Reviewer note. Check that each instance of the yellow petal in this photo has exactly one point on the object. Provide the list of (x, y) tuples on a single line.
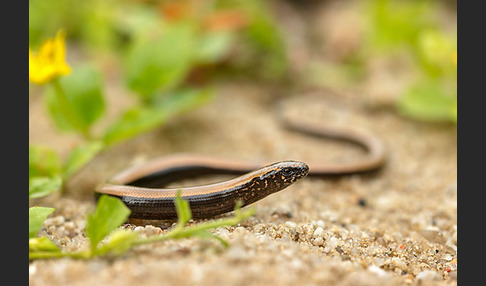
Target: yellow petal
[(60, 47), (49, 62)]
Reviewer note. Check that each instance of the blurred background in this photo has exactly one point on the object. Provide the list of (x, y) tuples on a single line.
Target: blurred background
[(137, 63)]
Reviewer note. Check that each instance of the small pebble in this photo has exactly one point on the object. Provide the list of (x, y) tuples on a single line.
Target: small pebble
[(56, 221), (69, 225), (152, 230), (318, 232), (377, 270), (319, 241), (427, 275), (290, 224), (320, 223), (223, 233), (446, 256), (239, 230)]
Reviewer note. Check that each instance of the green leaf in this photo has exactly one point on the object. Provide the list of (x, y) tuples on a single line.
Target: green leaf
[(430, 102), (207, 235), (97, 29), (390, 22), (119, 242), (264, 32), (80, 155), (183, 209), (157, 65), (214, 46), (43, 186), (110, 213), (265, 38), (138, 20), (43, 162), (37, 215), (42, 244), (134, 121), (46, 18), (77, 102), (142, 119), (436, 50), (183, 100)]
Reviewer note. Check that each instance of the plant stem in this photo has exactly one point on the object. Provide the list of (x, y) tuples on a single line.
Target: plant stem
[(178, 232), (58, 254), (189, 231)]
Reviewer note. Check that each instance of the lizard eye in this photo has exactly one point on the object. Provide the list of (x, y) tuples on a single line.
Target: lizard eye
[(287, 172)]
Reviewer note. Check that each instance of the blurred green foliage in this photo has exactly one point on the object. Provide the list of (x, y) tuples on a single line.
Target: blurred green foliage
[(43, 162), (44, 171), (88, 21), (110, 213), (82, 103), (167, 49), (168, 52), (398, 23), (216, 28), (47, 170), (161, 62), (80, 155), (140, 119), (37, 215), (417, 27)]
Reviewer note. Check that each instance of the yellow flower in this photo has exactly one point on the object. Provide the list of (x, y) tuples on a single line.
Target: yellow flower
[(49, 62)]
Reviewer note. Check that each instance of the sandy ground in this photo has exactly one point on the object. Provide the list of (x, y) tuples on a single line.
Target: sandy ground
[(397, 226)]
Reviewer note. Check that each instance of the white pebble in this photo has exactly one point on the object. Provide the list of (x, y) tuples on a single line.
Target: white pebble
[(290, 224), (240, 230), (318, 232), (57, 220), (152, 230), (223, 233), (447, 257), (69, 225), (377, 270), (318, 241), (332, 243), (427, 275)]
